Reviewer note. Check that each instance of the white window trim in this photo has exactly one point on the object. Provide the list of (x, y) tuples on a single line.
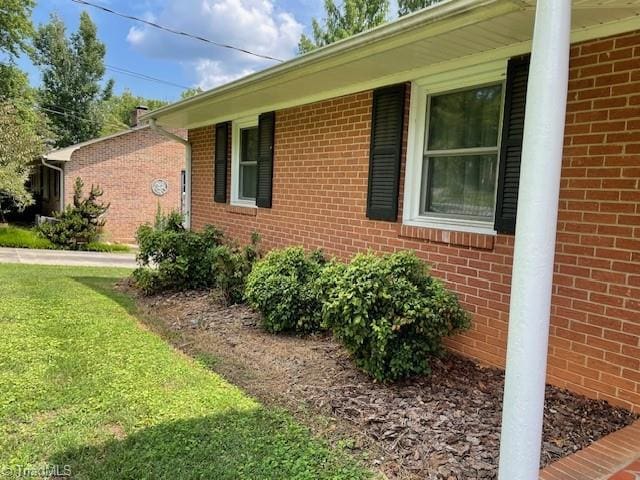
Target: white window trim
[(236, 126), (468, 77)]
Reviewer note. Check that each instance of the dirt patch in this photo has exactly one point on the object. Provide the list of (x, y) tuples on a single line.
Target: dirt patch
[(445, 426)]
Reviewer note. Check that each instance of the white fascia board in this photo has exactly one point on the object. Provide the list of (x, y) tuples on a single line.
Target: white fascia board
[(440, 18)]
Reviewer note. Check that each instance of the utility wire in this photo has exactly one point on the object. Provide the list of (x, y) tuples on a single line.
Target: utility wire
[(177, 32), (133, 74), (143, 76), (57, 110)]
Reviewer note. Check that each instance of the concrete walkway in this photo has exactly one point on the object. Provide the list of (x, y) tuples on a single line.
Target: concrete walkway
[(62, 257)]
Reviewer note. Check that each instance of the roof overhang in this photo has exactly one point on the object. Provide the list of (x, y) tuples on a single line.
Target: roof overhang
[(441, 38), (64, 154)]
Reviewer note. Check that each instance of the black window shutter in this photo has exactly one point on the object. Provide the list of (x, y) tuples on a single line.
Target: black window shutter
[(266, 132), (220, 163), (387, 118), (511, 148)]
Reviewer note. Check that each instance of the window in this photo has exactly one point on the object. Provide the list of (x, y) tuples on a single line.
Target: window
[(56, 184), (244, 168), (248, 163), (460, 162), (452, 162)]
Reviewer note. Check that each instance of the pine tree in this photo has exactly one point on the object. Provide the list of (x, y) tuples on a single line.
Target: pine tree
[(343, 21), (72, 69)]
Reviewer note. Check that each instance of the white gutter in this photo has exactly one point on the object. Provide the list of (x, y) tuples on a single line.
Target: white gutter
[(416, 21), (531, 286), (187, 167), (44, 162)]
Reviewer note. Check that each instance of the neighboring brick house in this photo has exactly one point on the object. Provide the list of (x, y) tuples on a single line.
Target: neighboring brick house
[(138, 170), (309, 172)]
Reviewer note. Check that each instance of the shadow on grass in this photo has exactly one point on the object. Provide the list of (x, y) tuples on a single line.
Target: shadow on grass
[(105, 286), (253, 444)]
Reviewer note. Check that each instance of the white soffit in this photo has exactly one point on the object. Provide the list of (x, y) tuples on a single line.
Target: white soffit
[(447, 36)]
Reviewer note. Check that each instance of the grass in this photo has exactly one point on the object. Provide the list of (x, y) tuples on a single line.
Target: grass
[(18, 237), (22, 237), (86, 388)]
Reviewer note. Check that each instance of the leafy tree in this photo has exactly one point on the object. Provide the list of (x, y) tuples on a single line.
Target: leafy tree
[(190, 92), (408, 6), (72, 69), (15, 89), (20, 144), (116, 111), (343, 21), (15, 25)]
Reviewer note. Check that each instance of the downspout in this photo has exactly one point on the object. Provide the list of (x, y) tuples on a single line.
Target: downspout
[(53, 167), (534, 251), (187, 167)]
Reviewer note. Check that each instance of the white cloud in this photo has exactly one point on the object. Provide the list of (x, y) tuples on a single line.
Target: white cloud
[(254, 25), (211, 73)]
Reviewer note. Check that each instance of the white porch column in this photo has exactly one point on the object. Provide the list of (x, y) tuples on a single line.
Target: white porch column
[(535, 243)]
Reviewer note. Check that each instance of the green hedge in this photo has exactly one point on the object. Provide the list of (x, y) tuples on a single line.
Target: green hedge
[(282, 287), (390, 313), (172, 258)]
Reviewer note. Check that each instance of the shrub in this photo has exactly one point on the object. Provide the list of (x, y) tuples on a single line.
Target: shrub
[(390, 313), (231, 266), (172, 258), (79, 224), (282, 286)]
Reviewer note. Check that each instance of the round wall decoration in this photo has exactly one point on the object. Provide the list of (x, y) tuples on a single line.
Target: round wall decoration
[(159, 187)]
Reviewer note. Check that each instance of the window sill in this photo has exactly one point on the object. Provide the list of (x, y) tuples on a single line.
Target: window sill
[(249, 210), (450, 235)]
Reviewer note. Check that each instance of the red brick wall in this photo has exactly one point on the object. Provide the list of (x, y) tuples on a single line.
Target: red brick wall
[(319, 200), (124, 167)]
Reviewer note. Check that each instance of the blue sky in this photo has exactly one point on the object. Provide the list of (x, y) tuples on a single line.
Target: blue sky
[(270, 27)]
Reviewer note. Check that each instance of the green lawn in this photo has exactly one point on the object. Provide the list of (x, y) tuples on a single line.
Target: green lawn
[(22, 237), (83, 384)]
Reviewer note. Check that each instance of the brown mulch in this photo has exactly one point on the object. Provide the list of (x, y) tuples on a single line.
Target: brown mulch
[(445, 426)]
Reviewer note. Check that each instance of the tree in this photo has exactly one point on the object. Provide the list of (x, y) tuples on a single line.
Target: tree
[(408, 6), (78, 224), (72, 69), (20, 145), (190, 92), (116, 110), (15, 89), (352, 17), (15, 26)]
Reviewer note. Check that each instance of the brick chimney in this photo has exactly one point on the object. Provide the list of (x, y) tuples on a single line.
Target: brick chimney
[(136, 113)]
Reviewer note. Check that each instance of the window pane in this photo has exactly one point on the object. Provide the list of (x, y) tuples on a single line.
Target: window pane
[(248, 181), (465, 119), (249, 148), (462, 185)]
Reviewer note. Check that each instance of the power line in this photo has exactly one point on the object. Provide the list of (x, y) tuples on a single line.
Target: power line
[(134, 74), (143, 76), (177, 32), (57, 110)]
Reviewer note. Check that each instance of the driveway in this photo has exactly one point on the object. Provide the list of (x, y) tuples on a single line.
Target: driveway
[(62, 257)]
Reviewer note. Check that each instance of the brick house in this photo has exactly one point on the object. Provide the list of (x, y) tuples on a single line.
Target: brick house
[(412, 135), (138, 170)]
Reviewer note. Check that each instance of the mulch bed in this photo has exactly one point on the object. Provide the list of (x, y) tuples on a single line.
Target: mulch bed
[(445, 426)]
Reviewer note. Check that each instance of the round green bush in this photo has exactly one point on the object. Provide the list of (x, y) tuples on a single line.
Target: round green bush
[(390, 313), (281, 286), (172, 258)]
